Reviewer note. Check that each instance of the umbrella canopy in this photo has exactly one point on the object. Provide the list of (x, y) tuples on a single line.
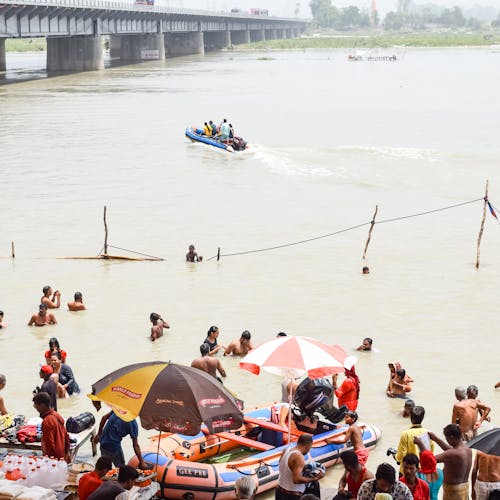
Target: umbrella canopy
[(296, 357), (169, 397)]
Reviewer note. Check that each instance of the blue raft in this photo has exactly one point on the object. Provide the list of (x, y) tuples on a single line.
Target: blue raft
[(196, 135)]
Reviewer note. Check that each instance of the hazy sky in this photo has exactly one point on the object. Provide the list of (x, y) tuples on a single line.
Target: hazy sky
[(287, 7)]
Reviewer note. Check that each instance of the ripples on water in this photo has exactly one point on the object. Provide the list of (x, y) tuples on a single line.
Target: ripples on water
[(330, 140)]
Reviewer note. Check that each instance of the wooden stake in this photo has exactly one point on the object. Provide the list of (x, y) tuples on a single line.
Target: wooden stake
[(12, 250), (370, 231), (482, 224), (218, 254), (105, 233)]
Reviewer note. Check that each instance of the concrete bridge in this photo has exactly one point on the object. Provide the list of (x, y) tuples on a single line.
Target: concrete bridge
[(74, 30)]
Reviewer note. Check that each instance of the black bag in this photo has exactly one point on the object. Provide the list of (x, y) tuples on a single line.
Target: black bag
[(80, 422)]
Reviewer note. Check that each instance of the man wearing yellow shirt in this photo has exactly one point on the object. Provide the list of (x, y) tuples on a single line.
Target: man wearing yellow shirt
[(406, 443)]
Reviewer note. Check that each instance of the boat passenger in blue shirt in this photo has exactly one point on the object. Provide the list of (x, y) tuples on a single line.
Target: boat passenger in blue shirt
[(112, 430), (224, 130)]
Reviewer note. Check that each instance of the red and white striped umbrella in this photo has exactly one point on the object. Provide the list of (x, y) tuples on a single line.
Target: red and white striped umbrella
[(295, 357)]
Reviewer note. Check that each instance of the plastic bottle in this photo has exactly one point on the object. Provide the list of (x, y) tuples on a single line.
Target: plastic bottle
[(62, 468)]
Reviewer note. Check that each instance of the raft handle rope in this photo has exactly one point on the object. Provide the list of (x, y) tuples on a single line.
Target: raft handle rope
[(276, 247)]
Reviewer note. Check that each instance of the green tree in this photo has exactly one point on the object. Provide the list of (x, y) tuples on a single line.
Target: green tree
[(453, 18)]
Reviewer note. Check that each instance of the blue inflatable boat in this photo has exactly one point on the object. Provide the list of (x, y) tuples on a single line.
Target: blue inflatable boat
[(234, 144)]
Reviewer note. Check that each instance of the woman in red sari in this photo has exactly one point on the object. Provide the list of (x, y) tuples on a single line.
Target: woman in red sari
[(348, 392)]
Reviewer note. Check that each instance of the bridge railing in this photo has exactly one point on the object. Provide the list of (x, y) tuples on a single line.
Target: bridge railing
[(129, 6)]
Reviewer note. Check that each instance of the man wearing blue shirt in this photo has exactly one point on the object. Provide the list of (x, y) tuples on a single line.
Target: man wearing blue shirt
[(112, 430)]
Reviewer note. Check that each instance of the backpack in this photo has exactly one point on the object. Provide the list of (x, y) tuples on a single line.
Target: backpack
[(80, 422)]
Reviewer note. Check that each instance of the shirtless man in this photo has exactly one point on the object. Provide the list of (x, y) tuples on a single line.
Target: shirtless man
[(192, 256), (240, 347), (158, 325), (473, 393), (366, 345), (465, 414), (2, 324), (497, 385), (3, 381), (208, 364), (458, 462), (486, 477), (355, 435), (77, 304), (399, 385), (43, 317), (51, 303)]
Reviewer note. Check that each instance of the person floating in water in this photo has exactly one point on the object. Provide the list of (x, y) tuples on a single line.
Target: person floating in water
[(2, 324), (192, 256), (77, 304), (366, 345)]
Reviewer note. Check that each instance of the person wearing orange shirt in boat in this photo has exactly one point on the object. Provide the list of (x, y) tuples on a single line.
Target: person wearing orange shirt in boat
[(90, 481), (348, 392), (355, 435), (207, 130)]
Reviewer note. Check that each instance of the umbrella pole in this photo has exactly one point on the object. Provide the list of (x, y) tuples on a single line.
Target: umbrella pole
[(290, 409), (157, 454)]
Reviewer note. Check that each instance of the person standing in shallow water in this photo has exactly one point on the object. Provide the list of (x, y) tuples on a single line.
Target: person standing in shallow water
[(77, 304), (158, 325), (43, 317), (51, 303), (211, 340), (192, 256)]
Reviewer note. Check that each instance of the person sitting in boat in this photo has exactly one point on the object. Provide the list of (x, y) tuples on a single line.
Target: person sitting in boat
[(213, 128), (224, 131), (207, 130), (231, 132)]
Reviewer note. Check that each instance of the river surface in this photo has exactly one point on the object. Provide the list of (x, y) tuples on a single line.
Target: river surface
[(330, 140)]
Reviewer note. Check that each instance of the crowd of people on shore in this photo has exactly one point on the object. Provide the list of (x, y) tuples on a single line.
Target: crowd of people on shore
[(417, 477)]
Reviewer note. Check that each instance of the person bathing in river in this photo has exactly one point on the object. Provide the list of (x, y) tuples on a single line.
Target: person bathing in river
[(51, 303), (63, 376), (43, 317), (211, 340), (366, 345), (158, 325), (192, 256), (2, 324), (77, 304), (348, 392), (240, 347), (53, 348), (208, 364), (399, 381)]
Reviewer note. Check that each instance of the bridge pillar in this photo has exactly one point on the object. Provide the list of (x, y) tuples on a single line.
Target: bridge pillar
[(216, 40), (289, 33), (3, 65), (257, 35), (183, 44), (74, 53), (142, 47), (280, 34), (270, 34), (239, 37)]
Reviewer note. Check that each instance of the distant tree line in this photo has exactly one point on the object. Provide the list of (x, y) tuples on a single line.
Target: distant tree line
[(408, 15)]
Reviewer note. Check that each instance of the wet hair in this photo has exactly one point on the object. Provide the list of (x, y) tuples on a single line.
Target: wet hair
[(45, 289), (244, 488), (78, 295), (42, 398), (473, 388), (409, 402), (304, 439), (368, 339), (349, 458), (386, 472), (366, 268), (57, 354), (103, 463), (1, 313), (417, 414), (352, 414), (411, 459), (281, 334), (401, 372), (246, 335), (204, 349), (42, 306), (53, 342), (126, 473), (154, 317), (453, 431), (3, 380), (211, 330), (460, 391)]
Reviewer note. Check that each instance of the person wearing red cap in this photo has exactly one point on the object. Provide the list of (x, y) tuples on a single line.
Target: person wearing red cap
[(430, 473), (48, 386)]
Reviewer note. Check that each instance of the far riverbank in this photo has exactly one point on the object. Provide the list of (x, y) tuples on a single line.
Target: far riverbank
[(383, 40), (329, 41)]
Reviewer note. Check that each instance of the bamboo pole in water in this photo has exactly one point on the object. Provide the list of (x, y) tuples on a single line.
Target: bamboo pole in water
[(482, 225), (105, 233), (218, 254), (370, 231), (13, 252)]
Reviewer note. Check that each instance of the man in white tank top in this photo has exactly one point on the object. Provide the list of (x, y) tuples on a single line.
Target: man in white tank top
[(291, 482)]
